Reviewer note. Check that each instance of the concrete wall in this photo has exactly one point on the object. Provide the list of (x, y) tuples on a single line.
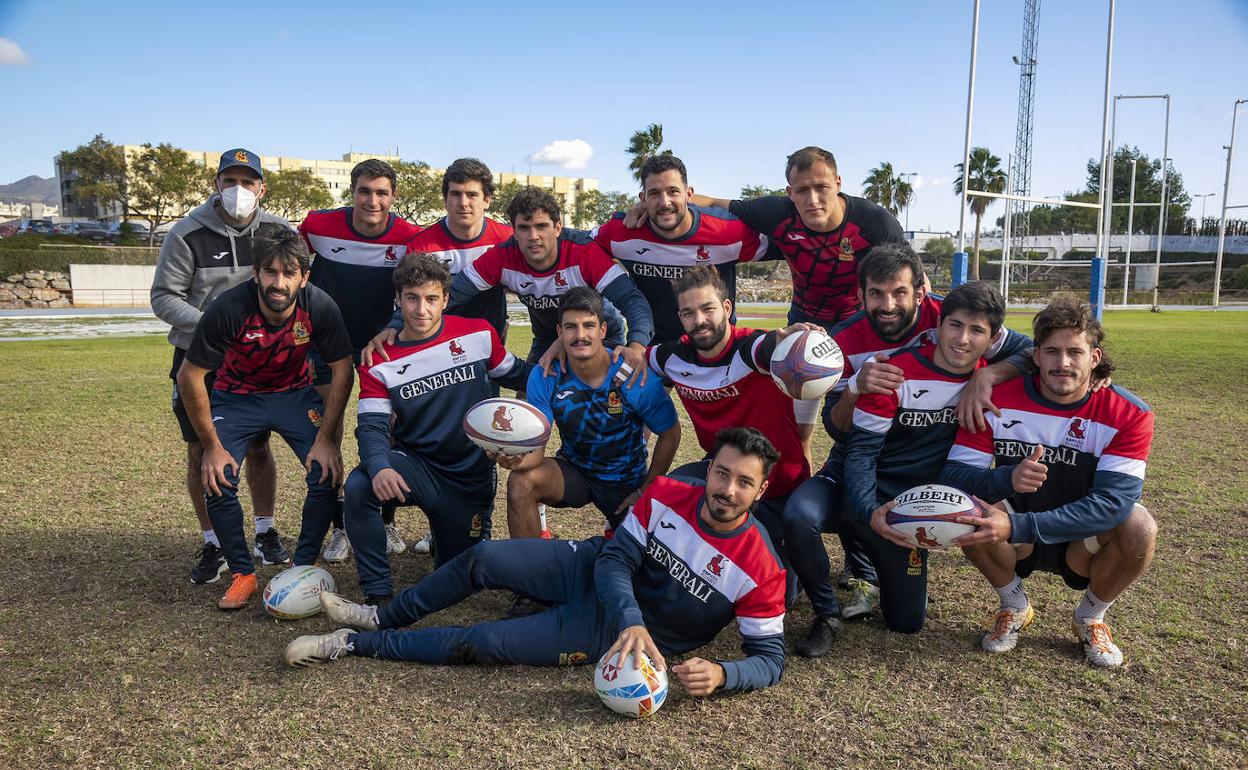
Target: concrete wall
[(112, 285)]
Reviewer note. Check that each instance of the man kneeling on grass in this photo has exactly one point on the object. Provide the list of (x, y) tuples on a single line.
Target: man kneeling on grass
[(684, 563)]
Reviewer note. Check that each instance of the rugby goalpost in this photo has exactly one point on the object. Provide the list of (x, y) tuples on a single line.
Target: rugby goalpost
[(1098, 262)]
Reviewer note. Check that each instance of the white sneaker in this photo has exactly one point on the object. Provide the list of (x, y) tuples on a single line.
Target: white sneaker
[(423, 545), (348, 613), (337, 547), (394, 541), (1098, 644), (864, 599), (1004, 627), (319, 648)]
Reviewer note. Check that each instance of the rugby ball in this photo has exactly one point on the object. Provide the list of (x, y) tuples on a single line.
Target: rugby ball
[(296, 592), (633, 692), (507, 425), (925, 515), (806, 364)]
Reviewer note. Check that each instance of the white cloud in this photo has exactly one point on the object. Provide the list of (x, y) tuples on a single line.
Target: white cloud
[(568, 154), (11, 53)]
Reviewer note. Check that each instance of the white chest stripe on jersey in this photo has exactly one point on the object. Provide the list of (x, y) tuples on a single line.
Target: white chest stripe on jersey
[(458, 259), (543, 286), (447, 354), (677, 537), (703, 377), (675, 254), (356, 252), (1076, 432)]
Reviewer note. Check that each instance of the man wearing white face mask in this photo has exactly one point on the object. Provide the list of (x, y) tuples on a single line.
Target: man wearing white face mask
[(203, 255)]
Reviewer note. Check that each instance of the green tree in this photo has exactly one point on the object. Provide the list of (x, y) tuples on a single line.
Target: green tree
[(939, 248), (419, 195), (1147, 190), (593, 207), (751, 191), (885, 187), (644, 145), (99, 171), (293, 193), (164, 183), (986, 176), (503, 194)]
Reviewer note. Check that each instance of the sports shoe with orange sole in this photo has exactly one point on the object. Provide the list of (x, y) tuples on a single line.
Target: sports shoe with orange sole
[(239, 594)]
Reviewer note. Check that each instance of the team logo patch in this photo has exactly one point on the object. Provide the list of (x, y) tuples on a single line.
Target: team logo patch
[(390, 255), (572, 658), (501, 419), (916, 563), (847, 249), (703, 253), (715, 567), (560, 280), (1076, 433), (301, 333), (615, 405), (241, 157), (314, 417), (475, 529), (457, 351)]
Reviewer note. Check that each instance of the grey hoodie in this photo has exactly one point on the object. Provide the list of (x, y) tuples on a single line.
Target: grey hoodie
[(203, 256)]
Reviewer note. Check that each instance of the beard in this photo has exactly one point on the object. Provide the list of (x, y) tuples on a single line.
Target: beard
[(654, 220), (895, 326), (717, 335), (277, 301), (723, 510)]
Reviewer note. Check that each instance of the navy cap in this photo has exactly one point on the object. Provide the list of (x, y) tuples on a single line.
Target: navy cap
[(240, 157)]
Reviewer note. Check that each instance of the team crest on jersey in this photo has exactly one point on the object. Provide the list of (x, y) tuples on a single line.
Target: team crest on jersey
[(314, 417), (1076, 433), (457, 351), (301, 333), (715, 567), (847, 249), (561, 281), (615, 404), (390, 255), (703, 254), (916, 563)]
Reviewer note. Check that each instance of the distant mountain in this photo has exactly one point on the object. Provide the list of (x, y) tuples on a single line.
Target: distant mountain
[(34, 188)]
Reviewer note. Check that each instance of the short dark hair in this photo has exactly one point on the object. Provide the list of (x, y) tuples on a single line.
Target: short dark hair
[(374, 169), (531, 200), (584, 299), (701, 276), (285, 245), (657, 164), (885, 261), (803, 159), (747, 441), (1066, 311), (418, 269), (977, 298), (468, 170)]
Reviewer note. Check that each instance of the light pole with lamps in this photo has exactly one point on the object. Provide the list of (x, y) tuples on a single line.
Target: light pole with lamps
[(1205, 197), (902, 177)]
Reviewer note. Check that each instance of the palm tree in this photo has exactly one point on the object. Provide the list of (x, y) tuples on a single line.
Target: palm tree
[(986, 176), (885, 187), (643, 145)]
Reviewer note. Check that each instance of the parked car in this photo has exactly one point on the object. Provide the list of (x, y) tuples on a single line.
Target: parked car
[(40, 226), (92, 231), (7, 231), (65, 228), (138, 230)]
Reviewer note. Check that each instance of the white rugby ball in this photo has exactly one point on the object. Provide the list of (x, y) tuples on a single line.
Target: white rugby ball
[(633, 692), (925, 515), (506, 425), (296, 592), (806, 364)]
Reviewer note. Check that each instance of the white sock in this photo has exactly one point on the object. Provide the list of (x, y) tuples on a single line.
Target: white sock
[(1012, 594), (263, 524), (210, 536), (1091, 608)]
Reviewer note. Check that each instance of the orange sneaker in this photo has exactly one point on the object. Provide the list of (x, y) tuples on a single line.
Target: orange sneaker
[(239, 594)]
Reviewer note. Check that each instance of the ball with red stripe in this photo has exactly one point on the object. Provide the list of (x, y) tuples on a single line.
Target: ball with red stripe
[(506, 425), (806, 364), (925, 515)]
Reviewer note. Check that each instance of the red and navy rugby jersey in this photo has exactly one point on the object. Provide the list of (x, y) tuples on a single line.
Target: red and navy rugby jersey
[(733, 390), (250, 356), (1095, 450), (427, 386), (716, 237), (437, 240), (901, 439), (667, 570), (355, 270), (824, 265)]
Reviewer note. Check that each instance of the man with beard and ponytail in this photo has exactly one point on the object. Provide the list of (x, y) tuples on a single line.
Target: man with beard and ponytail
[(256, 337), (897, 312), (203, 255)]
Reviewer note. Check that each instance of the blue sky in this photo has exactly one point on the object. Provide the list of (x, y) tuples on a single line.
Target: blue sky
[(736, 88)]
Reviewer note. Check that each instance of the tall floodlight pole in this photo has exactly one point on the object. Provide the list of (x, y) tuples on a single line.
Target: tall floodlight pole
[(909, 174), (1205, 199), (966, 144), (1226, 189), (1103, 218), (1018, 211)]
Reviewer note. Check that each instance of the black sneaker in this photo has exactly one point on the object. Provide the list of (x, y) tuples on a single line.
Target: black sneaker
[(823, 633), (269, 548), (211, 565), (522, 606)]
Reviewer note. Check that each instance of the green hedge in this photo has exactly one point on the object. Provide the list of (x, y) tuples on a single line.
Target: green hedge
[(58, 259)]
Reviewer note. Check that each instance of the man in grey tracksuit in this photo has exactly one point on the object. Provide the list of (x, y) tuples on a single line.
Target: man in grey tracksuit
[(203, 255)]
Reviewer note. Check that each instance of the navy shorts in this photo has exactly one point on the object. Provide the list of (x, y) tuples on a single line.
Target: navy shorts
[(1051, 557), (579, 488)]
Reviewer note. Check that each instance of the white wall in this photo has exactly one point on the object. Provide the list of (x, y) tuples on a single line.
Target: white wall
[(112, 285)]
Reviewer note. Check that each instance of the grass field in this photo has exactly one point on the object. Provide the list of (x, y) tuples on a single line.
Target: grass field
[(110, 658)]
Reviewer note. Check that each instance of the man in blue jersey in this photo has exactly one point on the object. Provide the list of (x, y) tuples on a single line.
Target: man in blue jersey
[(686, 561), (601, 423)]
